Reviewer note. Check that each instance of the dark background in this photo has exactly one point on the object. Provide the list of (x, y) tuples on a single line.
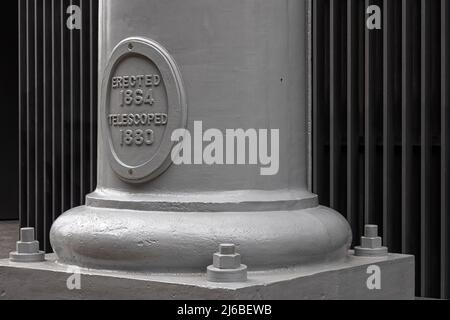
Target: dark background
[(381, 109), (9, 133)]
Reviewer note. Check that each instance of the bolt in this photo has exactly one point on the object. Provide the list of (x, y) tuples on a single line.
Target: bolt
[(371, 231), (27, 235), (27, 249), (227, 249), (227, 267), (371, 243)]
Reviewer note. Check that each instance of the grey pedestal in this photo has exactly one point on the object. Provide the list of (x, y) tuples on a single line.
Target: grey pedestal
[(344, 280)]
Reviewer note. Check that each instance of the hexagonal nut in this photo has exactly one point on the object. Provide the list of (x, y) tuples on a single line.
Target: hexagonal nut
[(221, 261), (371, 243), (27, 247)]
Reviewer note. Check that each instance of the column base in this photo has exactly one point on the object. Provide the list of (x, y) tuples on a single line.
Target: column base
[(120, 239)]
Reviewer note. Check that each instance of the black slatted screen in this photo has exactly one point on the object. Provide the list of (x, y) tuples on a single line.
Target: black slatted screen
[(58, 110), (381, 135)]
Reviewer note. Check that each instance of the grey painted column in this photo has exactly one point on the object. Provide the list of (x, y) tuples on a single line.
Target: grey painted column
[(230, 64)]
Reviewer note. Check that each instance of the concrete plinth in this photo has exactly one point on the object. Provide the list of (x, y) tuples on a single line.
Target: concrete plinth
[(345, 280)]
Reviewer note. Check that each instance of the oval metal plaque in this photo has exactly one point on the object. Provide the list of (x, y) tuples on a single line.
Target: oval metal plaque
[(143, 102)]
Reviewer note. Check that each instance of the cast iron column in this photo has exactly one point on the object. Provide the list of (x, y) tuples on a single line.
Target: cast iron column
[(230, 64)]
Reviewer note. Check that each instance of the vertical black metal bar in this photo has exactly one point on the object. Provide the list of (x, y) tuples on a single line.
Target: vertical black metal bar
[(430, 161), (94, 88), (20, 106), (78, 108), (53, 127), (25, 114), (368, 196), (33, 109), (36, 119), (426, 150), (406, 135), (373, 119), (57, 108), (352, 114), (71, 117), (315, 65), (334, 132), (92, 84), (411, 130), (445, 152), (28, 115), (373, 105), (338, 88), (44, 181), (321, 99), (48, 123), (40, 88), (82, 106), (86, 140), (388, 141), (391, 124), (64, 98), (361, 106)]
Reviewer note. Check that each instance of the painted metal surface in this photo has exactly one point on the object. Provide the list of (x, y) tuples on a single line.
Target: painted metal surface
[(329, 281), (244, 65), (150, 94)]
